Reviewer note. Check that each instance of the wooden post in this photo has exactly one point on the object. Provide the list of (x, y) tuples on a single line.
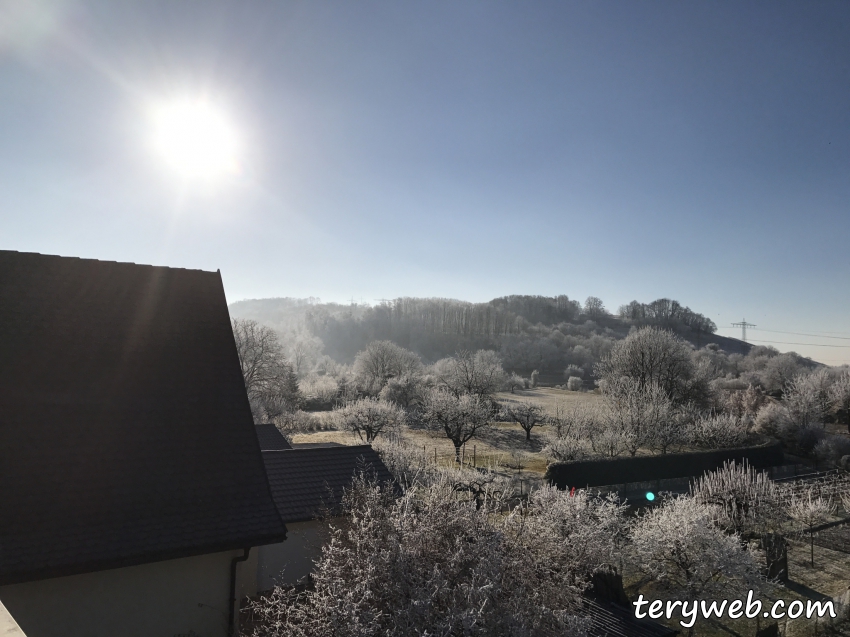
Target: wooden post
[(473, 456), (463, 454), (435, 455)]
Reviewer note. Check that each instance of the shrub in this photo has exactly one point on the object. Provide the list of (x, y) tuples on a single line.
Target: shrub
[(722, 431), (831, 449), (574, 383), (771, 418)]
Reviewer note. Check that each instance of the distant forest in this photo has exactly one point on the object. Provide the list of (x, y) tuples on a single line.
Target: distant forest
[(548, 334)]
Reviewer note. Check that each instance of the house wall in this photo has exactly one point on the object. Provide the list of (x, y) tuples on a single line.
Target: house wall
[(187, 597), (291, 560)]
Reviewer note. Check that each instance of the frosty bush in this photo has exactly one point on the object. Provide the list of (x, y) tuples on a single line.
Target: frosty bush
[(719, 432), (831, 449), (574, 383), (323, 389), (771, 419)]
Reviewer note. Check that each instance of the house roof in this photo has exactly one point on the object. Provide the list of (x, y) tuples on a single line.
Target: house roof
[(270, 438), (125, 431), (306, 481), (611, 620)]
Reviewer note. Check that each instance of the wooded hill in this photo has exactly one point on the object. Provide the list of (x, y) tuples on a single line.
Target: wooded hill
[(529, 332)]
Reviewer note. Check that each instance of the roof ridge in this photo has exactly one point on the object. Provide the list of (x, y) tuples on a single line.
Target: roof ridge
[(108, 261)]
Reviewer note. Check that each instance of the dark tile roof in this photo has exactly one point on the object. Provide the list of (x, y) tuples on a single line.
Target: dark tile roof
[(306, 481), (270, 438), (611, 620), (125, 431)]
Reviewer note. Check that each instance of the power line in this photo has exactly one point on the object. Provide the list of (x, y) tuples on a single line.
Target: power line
[(843, 338), (788, 343)]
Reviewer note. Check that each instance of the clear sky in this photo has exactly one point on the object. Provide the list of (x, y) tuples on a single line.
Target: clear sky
[(627, 150)]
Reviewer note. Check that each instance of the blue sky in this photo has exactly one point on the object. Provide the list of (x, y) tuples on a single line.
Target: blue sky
[(627, 150)]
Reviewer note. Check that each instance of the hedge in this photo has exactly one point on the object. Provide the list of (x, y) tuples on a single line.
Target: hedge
[(615, 471)]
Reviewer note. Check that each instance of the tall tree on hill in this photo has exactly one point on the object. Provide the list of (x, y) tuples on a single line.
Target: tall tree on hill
[(594, 307)]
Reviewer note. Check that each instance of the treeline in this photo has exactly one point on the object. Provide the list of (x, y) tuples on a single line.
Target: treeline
[(529, 332), (668, 314)]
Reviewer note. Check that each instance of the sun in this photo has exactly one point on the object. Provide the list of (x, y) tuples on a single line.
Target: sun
[(195, 139)]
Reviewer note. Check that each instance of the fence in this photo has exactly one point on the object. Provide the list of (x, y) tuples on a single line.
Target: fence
[(652, 469)]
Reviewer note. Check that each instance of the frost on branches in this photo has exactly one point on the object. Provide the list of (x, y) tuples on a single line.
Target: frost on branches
[(681, 548), (429, 563)]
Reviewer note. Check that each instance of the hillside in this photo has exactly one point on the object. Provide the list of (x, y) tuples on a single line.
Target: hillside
[(530, 332)]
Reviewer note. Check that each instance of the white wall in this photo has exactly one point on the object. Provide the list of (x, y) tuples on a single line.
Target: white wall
[(175, 598), (291, 560), (8, 626)]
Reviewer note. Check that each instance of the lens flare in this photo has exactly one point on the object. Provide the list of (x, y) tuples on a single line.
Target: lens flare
[(650, 496)]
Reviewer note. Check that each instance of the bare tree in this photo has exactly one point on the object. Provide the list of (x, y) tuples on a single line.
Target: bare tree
[(459, 417), (270, 380), (381, 361), (480, 373), (369, 417), (594, 307), (526, 415), (809, 512)]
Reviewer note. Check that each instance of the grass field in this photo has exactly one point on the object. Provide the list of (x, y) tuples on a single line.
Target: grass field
[(504, 443)]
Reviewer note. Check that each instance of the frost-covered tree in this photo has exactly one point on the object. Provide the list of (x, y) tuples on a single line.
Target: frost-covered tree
[(369, 417), (406, 391), (381, 361), (841, 394), (650, 356), (478, 373), (637, 412), (680, 547), (527, 415), (515, 381), (431, 563), (809, 397), (459, 417), (574, 383), (810, 511), (745, 501), (570, 427)]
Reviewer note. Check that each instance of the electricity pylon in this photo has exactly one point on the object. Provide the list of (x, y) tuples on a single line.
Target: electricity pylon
[(743, 325)]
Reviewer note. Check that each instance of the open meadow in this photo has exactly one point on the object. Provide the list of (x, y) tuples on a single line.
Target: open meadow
[(503, 444)]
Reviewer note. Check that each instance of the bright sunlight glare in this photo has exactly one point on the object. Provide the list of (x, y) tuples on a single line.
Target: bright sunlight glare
[(195, 139)]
